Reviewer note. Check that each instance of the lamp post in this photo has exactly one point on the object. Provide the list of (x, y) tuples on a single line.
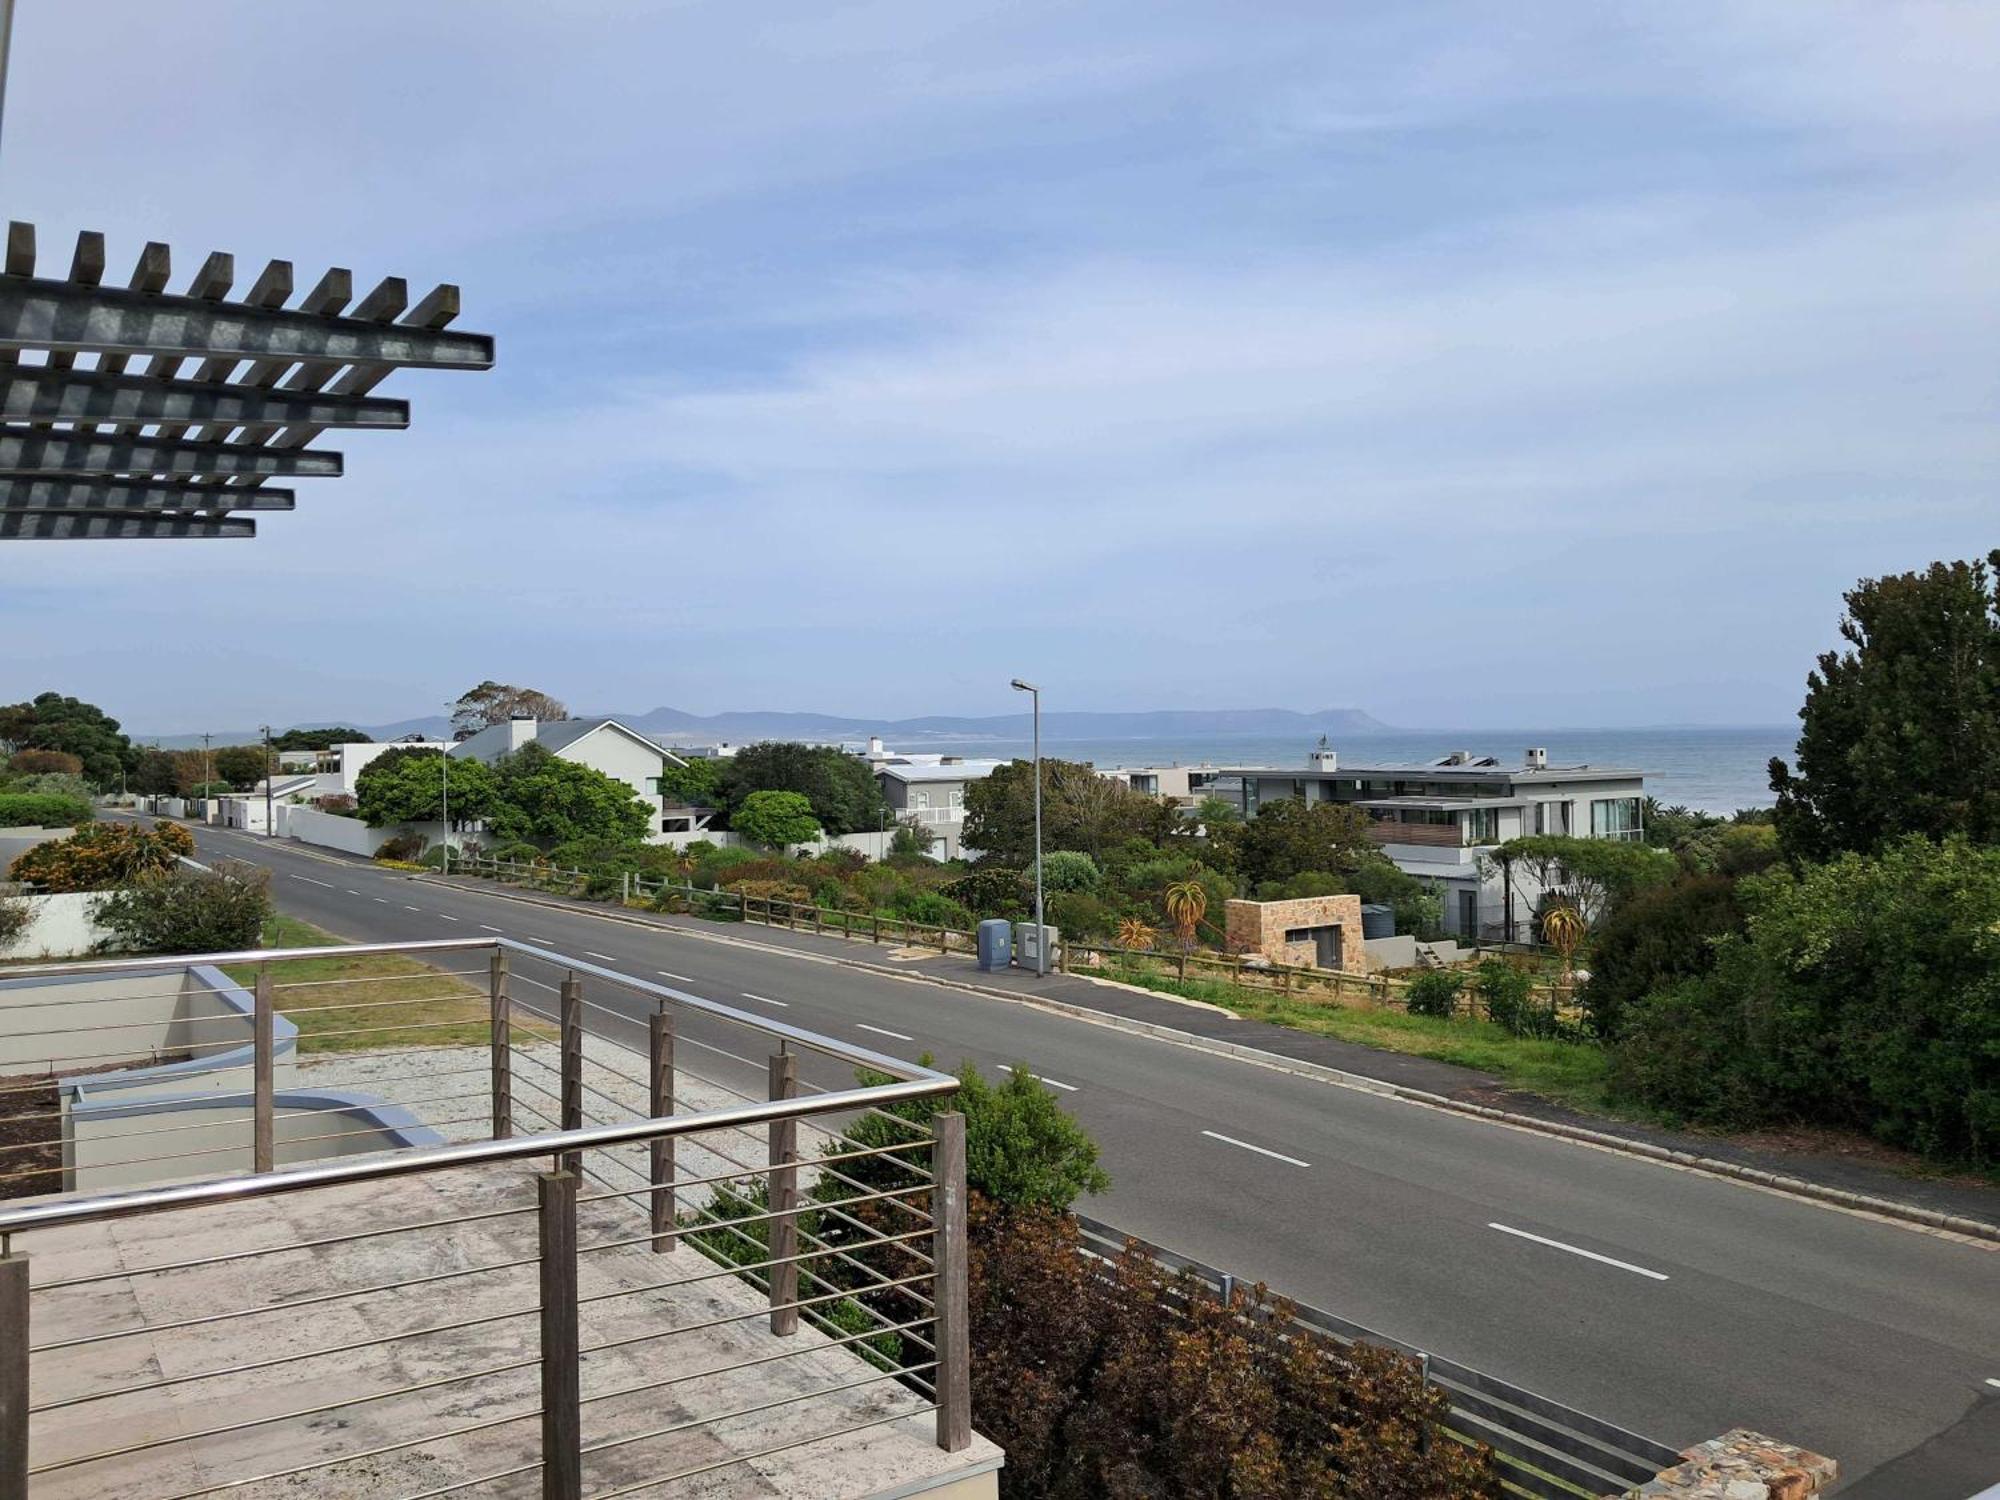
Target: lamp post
[(269, 827), (444, 784), (1041, 928)]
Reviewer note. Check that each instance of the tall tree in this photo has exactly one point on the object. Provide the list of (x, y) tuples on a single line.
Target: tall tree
[(1901, 731), (548, 800), (242, 766), (319, 739), (410, 786), (497, 702), (840, 787), (1080, 810), (776, 820), (1289, 837), (50, 721)]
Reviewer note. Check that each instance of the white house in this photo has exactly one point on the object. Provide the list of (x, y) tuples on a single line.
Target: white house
[(602, 744), (929, 790)]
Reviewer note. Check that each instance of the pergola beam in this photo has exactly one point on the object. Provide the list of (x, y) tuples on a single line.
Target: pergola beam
[(37, 393), (70, 497), (121, 324), (47, 528), (94, 454)]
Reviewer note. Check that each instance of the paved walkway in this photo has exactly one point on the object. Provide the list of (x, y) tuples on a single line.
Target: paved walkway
[(1954, 1195)]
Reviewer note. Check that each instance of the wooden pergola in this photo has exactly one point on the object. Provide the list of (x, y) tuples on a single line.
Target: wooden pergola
[(228, 395)]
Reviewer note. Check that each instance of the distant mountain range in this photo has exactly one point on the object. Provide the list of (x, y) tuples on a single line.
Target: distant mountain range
[(673, 724)]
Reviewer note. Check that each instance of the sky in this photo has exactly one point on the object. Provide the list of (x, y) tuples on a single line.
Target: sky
[(1525, 364)]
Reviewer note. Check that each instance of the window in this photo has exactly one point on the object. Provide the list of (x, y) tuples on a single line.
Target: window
[(1552, 817), (1482, 825), (920, 799), (1615, 818)]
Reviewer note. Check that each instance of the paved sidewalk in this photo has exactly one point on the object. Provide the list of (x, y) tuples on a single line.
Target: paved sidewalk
[(1959, 1196)]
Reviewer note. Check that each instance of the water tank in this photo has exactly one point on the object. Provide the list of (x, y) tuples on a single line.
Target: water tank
[(1377, 921), (996, 944)]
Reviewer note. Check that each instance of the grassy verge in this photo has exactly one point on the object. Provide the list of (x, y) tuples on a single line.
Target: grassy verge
[(431, 1007), (1569, 1072)]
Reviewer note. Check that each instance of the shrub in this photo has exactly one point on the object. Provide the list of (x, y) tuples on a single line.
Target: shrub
[(995, 891), (15, 915), (1507, 995), (932, 909), (188, 911), (517, 852), (1080, 915), (53, 784), (102, 855), (1655, 939), (404, 848), (1067, 870), (1434, 992), (37, 810)]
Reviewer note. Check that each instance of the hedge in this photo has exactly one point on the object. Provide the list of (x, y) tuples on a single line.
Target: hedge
[(36, 810)]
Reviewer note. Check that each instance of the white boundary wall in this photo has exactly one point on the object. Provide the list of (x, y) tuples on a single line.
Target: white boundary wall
[(60, 926)]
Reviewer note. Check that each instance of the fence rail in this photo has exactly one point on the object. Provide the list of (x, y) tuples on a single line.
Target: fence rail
[(1543, 1448), (1071, 956), (537, 1231)]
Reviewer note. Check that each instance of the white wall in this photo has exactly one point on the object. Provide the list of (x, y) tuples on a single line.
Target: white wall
[(59, 926)]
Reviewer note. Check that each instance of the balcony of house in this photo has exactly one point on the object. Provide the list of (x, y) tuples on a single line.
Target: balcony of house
[(487, 1236), (1435, 822)]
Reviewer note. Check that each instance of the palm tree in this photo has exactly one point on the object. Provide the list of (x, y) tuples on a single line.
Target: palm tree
[(1186, 902), (1563, 929)]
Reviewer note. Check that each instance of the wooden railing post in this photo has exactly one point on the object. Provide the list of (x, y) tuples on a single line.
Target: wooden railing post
[(263, 1095), (562, 1421), (572, 1066), (784, 1196), (661, 1039), (875, 927), (502, 1006), (948, 1286)]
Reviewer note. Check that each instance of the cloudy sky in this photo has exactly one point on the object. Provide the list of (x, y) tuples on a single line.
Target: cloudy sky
[(1524, 364)]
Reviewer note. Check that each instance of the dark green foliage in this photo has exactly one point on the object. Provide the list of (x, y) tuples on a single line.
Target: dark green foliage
[(154, 774), (408, 785), (911, 839), (990, 891), (1289, 837), (839, 788), (219, 910), (319, 739), (242, 766), (931, 909), (1067, 870), (1863, 993), (1656, 939), (776, 820), (1595, 874), (1900, 733), (695, 784), (1434, 992), (1079, 915), (542, 798), (34, 809), (1506, 996), (1080, 810), (52, 722), (405, 848)]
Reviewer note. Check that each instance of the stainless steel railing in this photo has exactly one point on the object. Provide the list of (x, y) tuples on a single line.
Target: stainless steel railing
[(590, 1291)]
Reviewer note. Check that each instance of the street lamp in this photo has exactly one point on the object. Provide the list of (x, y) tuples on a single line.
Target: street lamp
[(270, 827), (1041, 928), (444, 774)]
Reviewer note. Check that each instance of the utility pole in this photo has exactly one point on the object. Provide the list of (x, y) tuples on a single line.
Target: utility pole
[(444, 774), (270, 827), (207, 769), (6, 37), (1041, 927)]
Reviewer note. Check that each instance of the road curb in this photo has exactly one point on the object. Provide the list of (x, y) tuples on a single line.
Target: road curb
[(1886, 1208)]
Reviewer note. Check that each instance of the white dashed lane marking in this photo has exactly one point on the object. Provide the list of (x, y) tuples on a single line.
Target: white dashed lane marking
[(310, 881), (1216, 1135), (1623, 1265), (484, 928), (670, 974), (884, 1031), (442, 917), (786, 1005)]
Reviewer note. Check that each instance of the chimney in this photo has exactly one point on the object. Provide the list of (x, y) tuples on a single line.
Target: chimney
[(1324, 759), (520, 731), (1538, 759), (875, 751)]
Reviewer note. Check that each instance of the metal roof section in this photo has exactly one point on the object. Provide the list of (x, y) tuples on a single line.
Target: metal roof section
[(963, 770), (160, 450)]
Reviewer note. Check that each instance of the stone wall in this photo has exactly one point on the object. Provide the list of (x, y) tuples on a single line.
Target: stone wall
[(1742, 1465), (1259, 928)]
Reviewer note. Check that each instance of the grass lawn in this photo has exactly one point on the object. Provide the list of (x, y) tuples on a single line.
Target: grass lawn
[(377, 991), (1569, 1072)]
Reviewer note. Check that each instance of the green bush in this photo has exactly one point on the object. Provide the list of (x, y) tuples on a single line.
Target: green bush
[(992, 891), (1434, 992), (189, 911), (39, 810), (1653, 940), (1506, 994), (932, 909), (1067, 870), (517, 852), (402, 847), (1079, 915), (15, 915), (1864, 992)]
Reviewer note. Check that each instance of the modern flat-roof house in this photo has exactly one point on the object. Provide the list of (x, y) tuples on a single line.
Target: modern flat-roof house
[(930, 790), (1436, 819), (602, 744)]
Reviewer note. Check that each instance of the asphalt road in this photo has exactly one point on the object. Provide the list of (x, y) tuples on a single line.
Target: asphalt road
[(1672, 1303)]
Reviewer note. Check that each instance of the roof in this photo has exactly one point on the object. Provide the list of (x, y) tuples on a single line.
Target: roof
[(1439, 804), (553, 735), (155, 450), (1424, 771), (965, 770)]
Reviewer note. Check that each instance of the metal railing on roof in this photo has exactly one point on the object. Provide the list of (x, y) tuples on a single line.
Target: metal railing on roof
[(855, 1252)]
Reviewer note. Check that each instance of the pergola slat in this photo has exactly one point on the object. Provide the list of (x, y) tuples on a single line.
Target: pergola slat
[(55, 495), (39, 394), (114, 528), (41, 314), (193, 401), (95, 454)]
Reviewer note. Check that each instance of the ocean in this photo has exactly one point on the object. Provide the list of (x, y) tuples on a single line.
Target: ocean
[(1716, 770)]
